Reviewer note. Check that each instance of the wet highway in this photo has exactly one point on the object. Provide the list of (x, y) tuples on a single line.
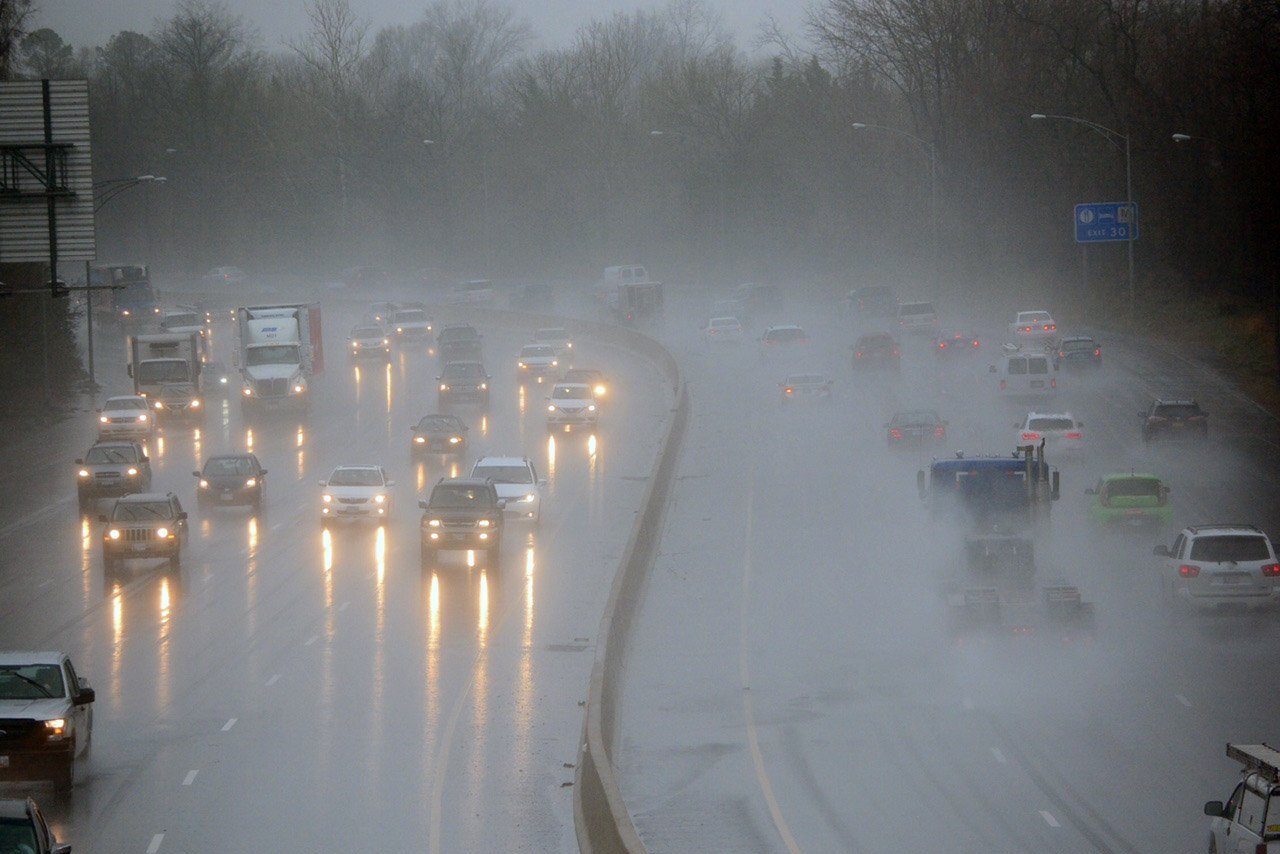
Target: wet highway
[(790, 685), (297, 691)]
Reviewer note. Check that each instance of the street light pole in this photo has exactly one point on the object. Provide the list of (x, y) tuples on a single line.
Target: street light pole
[(932, 153), (1115, 138)]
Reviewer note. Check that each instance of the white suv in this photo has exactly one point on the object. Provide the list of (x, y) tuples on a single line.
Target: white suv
[(356, 493), (571, 403), (517, 483), (1061, 432), (1211, 565)]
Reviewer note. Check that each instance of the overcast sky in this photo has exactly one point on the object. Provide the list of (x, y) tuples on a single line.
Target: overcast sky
[(92, 22)]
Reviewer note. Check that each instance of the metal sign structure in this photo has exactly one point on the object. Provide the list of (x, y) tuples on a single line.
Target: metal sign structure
[(1106, 222), (46, 173)]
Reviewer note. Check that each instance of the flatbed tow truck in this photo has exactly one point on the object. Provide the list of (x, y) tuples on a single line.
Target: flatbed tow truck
[(1249, 821), (996, 591)]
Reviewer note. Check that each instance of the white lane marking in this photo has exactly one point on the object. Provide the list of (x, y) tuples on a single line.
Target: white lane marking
[(1049, 819), (155, 843), (273, 680), (191, 777), (744, 674), (967, 703), (344, 605), (229, 724), (277, 526), (995, 751), (311, 640), (1183, 700), (46, 582)]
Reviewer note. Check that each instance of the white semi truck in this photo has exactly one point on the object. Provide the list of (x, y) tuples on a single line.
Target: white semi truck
[(278, 352), (165, 369)]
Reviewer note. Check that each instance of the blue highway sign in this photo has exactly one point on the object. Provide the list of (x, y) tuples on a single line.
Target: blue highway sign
[(1104, 222)]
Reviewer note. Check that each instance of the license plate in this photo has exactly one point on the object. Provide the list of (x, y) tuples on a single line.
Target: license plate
[(4, 761), (1037, 383), (139, 547), (1177, 425), (227, 496)]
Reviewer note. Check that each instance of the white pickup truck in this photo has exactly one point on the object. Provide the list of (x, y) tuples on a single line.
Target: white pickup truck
[(47, 712)]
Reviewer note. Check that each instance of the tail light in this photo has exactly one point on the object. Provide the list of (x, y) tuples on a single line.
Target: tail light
[(940, 432), (1053, 383), (789, 390), (1271, 570), (857, 355), (897, 352), (1076, 435), (1062, 354), (1003, 385), (1097, 351), (1050, 327), (976, 343), (942, 345), (1188, 570), (895, 434), (1030, 437)]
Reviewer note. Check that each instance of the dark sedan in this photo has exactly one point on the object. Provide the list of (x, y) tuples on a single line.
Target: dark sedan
[(955, 345), (230, 479), (1079, 351), (1174, 419), (878, 351), (916, 427), (439, 434)]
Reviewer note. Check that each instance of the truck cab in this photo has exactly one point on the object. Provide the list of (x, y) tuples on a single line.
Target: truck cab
[(1248, 822), (1013, 493), (279, 349)]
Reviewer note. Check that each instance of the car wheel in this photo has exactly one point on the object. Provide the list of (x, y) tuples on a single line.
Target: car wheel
[(64, 775)]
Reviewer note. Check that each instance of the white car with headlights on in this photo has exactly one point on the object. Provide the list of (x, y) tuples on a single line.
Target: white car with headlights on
[(355, 493), (723, 330), (127, 416), (517, 483), (557, 337), (571, 404), (369, 341), (536, 361), (1060, 432)]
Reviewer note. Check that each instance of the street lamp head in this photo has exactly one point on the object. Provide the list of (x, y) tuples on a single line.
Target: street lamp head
[(1181, 137), (1038, 116), (858, 125)]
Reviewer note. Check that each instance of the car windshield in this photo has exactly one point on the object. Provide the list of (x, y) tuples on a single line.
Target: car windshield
[(1177, 410), (1046, 425), (164, 371), (125, 403), (550, 335), (537, 351), (459, 497), (355, 477), (915, 308), (273, 354), (571, 392), (141, 511), (872, 342), (1136, 487), (366, 332), (458, 333), (440, 424), (411, 316), (228, 466), (792, 333), (725, 321), (920, 416), (806, 379), (1230, 547), (503, 474), (1037, 366), (117, 454), (177, 321), (17, 835), (464, 371), (1034, 317), (1078, 344), (30, 682)]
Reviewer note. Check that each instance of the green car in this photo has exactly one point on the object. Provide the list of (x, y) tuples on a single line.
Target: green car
[(1131, 500)]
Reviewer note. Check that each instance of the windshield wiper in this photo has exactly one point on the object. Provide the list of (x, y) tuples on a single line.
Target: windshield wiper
[(29, 681)]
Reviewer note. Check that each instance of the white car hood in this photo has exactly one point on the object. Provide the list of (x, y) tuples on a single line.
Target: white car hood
[(42, 709), (571, 402), (124, 413), (515, 490), (366, 492), (272, 372)]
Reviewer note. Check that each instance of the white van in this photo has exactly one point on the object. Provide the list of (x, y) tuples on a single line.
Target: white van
[(917, 317), (1026, 373)]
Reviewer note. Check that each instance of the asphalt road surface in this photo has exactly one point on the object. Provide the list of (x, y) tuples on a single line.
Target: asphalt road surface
[(790, 686), (292, 691)]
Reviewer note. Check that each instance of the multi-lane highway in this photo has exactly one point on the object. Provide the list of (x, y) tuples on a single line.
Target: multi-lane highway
[(293, 691), (790, 686)]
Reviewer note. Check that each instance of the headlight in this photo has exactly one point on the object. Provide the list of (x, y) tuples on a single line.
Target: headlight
[(204, 484), (386, 341), (131, 471), (327, 498), (483, 523), (591, 407), (83, 472), (399, 329), (251, 482), (568, 345), (125, 312), (379, 499), (444, 386), (222, 380), (453, 440), (103, 419), (528, 499), (551, 407), (484, 386), (522, 364), (421, 440), (248, 392), (195, 403), (555, 362), (298, 388), (433, 523), (162, 533), (599, 390), (142, 418), (55, 728), (159, 404), (114, 533)]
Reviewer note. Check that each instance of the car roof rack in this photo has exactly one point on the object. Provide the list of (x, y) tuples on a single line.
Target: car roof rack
[(1195, 529), (1260, 759)]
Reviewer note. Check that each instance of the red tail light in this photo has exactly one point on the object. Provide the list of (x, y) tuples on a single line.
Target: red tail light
[(940, 432), (976, 343), (1062, 354), (1053, 383), (1030, 437), (1003, 385), (1075, 435), (1271, 570), (1097, 351), (1026, 329), (1050, 327), (942, 345), (1188, 571), (857, 355), (895, 434)]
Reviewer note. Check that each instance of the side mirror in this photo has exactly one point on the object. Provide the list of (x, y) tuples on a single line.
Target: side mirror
[(182, 515), (85, 697), (542, 482), (1161, 551), (422, 504), (262, 473), (102, 517), (324, 482), (991, 369), (1091, 491), (502, 504), (1214, 809), (146, 459), (1166, 489), (1079, 423), (195, 474), (79, 461)]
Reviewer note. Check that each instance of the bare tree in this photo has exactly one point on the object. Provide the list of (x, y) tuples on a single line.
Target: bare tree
[(13, 25)]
